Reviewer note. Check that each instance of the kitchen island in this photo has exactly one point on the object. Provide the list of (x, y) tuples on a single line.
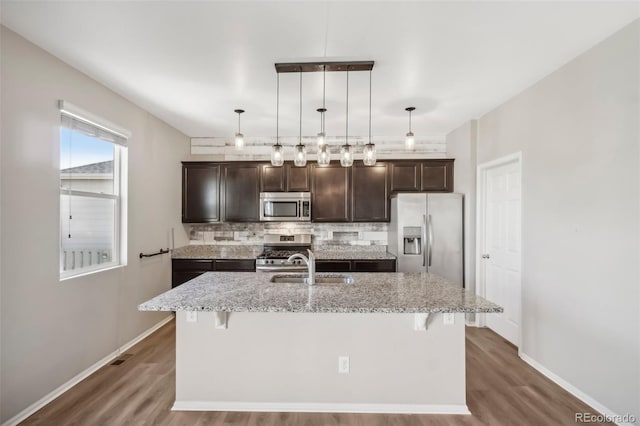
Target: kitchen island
[(388, 342)]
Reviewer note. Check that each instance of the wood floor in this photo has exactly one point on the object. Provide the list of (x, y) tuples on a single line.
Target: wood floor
[(501, 390)]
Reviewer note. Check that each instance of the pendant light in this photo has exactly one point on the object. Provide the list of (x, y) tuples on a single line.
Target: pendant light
[(239, 136), (300, 156), (370, 148), (346, 156), (324, 155), (322, 136), (277, 154), (409, 141)]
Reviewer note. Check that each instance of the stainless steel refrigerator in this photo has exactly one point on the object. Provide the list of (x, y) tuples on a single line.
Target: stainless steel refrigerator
[(426, 234)]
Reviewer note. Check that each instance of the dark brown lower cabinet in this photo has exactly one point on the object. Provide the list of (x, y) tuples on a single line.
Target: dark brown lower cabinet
[(387, 265), (357, 265), (235, 265), (183, 270), (333, 265)]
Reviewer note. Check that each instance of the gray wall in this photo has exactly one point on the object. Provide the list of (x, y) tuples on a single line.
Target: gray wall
[(578, 133), (461, 145), (53, 330)]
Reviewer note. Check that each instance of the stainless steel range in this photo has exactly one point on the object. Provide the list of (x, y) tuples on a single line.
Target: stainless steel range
[(278, 248)]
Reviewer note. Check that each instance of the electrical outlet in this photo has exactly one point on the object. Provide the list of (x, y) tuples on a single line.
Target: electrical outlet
[(449, 318), (192, 316), (343, 364)]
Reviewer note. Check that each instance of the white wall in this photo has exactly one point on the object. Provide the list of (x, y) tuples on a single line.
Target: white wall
[(579, 136), (461, 145), (53, 330)]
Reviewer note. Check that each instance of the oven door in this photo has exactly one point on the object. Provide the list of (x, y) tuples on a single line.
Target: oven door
[(282, 210)]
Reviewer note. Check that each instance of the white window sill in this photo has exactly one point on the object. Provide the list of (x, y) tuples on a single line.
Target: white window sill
[(91, 272)]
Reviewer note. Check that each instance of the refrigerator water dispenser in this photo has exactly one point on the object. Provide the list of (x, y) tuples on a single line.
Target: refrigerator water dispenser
[(412, 240)]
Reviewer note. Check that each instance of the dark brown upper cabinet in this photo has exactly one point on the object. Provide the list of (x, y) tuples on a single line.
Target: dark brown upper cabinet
[(330, 193), (241, 192), (200, 192), (284, 178), (437, 175), (405, 176), (370, 189), (272, 178), (298, 179)]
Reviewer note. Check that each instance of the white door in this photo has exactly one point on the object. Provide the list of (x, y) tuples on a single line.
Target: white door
[(500, 245)]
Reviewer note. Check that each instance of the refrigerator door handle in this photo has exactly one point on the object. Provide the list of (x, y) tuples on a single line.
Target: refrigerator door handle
[(430, 239), (424, 240)]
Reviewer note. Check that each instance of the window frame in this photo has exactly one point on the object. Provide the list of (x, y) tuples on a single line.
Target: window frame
[(118, 258)]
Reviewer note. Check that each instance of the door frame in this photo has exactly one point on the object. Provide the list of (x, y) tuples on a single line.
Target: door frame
[(481, 186)]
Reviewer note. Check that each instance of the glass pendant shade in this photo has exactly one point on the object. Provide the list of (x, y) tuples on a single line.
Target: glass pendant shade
[(277, 155), (324, 155), (239, 141), (369, 154), (346, 156), (409, 141), (300, 157)]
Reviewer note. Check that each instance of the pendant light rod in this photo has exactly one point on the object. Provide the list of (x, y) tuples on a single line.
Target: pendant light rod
[(300, 134), (278, 109), (410, 109), (369, 106), (346, 133), (324, 66), (238, 111)]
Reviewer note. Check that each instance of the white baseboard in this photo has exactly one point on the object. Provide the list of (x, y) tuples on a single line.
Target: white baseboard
[(21, 416), (570, 388), (311, 407)]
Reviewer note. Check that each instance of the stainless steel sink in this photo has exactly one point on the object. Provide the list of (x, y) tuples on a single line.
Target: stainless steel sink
[(320, 279)]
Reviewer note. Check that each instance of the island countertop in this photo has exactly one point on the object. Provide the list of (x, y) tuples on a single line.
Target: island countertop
[(370, 293)]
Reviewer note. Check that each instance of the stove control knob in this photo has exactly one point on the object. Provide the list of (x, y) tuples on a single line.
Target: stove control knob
[(271, 261)]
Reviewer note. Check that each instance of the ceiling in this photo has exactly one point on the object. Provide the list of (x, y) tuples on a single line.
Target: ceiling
[(193, 63)]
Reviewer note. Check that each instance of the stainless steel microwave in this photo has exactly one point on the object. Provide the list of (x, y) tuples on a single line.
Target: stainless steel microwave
[(285, 206)]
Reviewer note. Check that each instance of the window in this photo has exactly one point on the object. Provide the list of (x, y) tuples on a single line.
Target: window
[(92, 193)]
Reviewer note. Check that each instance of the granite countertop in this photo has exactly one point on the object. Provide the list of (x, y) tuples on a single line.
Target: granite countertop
[(371, 293), (209, 251)]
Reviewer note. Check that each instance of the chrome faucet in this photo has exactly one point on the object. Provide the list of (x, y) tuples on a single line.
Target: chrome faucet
[(311, 265)]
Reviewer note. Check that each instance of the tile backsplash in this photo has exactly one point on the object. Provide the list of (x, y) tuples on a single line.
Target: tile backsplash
[(325, 235)]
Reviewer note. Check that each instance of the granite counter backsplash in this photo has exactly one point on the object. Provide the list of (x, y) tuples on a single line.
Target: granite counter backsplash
[(217, 252), (207, 251)]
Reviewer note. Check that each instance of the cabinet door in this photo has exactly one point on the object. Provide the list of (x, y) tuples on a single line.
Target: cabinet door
[(183, 270), (247, 265), (272, 179), (298, 178), (437, 176), (384, 265), (370, 193), (333, 265), (330, 193), (200, 193), (241, 192), (405, 176)]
